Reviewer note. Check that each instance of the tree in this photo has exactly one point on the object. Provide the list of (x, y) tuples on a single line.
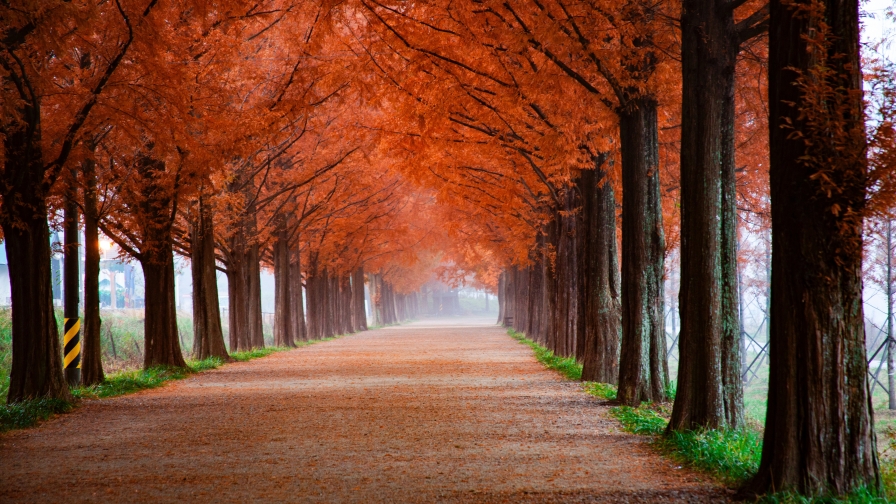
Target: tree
[(33, 57), (819, 437), (208, 336), (709, 375), (92, 357)]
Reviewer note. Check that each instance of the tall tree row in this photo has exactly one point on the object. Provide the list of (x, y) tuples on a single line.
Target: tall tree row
[(555, 151)]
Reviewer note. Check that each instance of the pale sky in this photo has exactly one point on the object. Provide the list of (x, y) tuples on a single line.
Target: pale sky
[(876, 24)]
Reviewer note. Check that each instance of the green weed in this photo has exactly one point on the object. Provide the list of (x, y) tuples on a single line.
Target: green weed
[(861, 495), (5, 351), (671, 389), (205, 364), (127, 382), (255, 353), (641, 420), (731, 455), (567, 366), (601, 390), (27, 413), (888, 477)]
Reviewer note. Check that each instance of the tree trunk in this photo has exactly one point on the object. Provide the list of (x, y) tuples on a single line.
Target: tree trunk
[(819, 436), (891, 342), (92, 353), (385, 296), (603, 324), (162, 347), (552, 286), (283, 326), (509, 297), (643, 372), (521, 318), (562, 267), (709, 386), (581, 260), (327, 301), (374, 292), (300, 329), (536, 297), (359, 314), (208, 336), (501, 297), (253, 285), (347, 314), (36, 352), (237, 293)]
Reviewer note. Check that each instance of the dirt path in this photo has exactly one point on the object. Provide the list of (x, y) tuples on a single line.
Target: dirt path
[(417, 413)]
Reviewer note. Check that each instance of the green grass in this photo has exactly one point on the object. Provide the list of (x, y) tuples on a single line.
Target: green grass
[(730, 455), (255, 353), (566, 366), (643, 420), (127, 382), (601, 390), (5, 351), (862, 495), (28, 413)]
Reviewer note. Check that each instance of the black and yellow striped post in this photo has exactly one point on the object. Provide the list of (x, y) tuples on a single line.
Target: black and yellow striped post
[(71, 354), (72, 351)]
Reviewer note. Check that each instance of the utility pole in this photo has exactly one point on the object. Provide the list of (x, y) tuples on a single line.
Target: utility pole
[(71, 281)]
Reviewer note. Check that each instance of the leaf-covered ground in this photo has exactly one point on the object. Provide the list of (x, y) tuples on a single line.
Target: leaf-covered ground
[(416, 413)]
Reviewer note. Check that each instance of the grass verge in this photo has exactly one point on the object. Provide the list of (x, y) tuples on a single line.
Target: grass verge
[(731, 456), (567, 366), (28, 413), (862, 495)]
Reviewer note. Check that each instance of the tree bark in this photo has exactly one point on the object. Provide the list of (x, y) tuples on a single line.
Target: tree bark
[(237, 293), (603, 325), (535, 273), (208, 336), (501, 297), (643, 372), (521, 310), (253, 284), (562, 270), (709, 385), (891, 342), (509, 298), (283, 325), (359, 314), (346, 302), (375, 295), (92, 353), (162, 347), (300, 329), (819, 436), (327, 304), (36, 353)]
